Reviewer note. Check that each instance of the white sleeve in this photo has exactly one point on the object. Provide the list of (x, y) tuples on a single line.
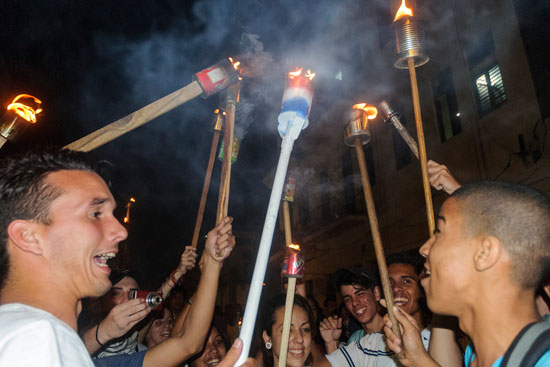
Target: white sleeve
[(345, 356), (41, 343)]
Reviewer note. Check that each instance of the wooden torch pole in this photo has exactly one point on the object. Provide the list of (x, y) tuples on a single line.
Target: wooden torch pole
[(289, 303), (2, 141), (422, 147), (136, 119), (378, 248), (223, 197), (205, 188)]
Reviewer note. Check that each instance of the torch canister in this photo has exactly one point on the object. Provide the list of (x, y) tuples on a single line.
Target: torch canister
[(297, 99), (234, 150), (217, 77), (293, 263), (356, 127)]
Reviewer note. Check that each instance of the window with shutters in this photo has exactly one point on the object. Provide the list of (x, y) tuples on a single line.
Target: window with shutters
[(489, 90)]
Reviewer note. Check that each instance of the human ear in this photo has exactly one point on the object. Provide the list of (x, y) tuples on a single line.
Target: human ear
[(377, 294), (21, 233), (266, 337), (488, 253)]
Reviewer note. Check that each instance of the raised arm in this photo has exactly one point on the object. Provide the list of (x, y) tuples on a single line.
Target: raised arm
[(441, 178), (190, 339)]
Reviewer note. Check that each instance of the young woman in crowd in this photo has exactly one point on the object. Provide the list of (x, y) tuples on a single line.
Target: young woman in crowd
[(301, 332)]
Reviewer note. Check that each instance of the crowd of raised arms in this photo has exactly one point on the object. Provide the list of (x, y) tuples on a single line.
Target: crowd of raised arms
[(476, 293)]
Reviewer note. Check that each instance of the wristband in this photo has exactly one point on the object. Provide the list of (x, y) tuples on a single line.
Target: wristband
[(96, 338)]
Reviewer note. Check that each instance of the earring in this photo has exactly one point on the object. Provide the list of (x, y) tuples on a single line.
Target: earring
[(268, 345)]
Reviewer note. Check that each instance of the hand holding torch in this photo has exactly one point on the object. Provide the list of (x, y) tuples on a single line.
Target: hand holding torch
[(410, 54), (356, 135), (18, 117), (207, 82), (293, 118)]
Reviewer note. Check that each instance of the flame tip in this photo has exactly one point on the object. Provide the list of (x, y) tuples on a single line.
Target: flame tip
[(26, 112), (403, 11)]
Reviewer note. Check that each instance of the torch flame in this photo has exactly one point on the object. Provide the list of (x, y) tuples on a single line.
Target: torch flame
[(309, 74), (126, 219), (294, 246), (217, 110), (370, 110), (403, 11), (26, 112), (132, 200), (296, 73), (235, 63)]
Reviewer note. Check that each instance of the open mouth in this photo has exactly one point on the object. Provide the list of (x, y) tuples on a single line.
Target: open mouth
[(296, 352), (165, 334), (361, 311), (213, 362), (101, 260), (400, 301)]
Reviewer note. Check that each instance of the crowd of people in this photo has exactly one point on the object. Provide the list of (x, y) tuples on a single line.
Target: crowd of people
[(476, 294)]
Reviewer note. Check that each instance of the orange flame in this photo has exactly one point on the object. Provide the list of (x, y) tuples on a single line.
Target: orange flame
[(26, 112), (126, 219), (370, 110), (132, 200), (235, 63), (403, 11), (293, 74), (294, 246), (217, 110)]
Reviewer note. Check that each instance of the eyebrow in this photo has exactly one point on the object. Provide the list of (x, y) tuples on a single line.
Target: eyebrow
[(100, 201), (440, 217)]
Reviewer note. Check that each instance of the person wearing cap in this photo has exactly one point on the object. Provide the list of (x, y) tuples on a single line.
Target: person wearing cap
[(116, 333)]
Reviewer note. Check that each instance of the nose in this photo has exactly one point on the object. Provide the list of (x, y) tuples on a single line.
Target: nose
[(396, 287), (297, 336), (117, 232), (425, 248)]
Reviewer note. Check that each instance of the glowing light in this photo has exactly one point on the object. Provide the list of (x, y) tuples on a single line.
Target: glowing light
[(296, 73), (26, 112), (371, 111), (294, 246), (132, 200), (217, 110), (235, 63), (403, 11), (126, 219)]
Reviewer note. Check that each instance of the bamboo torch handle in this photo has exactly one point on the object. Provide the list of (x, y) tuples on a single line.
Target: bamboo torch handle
[(137, 118), (223, 197), (230, 108), (378, 248), (422, 148), (291, 289), (205, 188), (2, 141)]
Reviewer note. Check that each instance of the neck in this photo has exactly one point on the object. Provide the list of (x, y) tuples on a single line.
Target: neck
[(419, 319), (43, 295), (494, 320), (374, 325)]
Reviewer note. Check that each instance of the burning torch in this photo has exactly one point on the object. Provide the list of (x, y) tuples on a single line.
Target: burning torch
[(293, 118), (128, 206), (392, 117), (217, 126), (356, 135), (292, 268), (207, 82), (231, 96), (410, 53), (18, 117)]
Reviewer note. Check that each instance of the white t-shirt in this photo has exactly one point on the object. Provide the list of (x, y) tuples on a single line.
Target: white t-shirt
[(33, 337), (370, 351)]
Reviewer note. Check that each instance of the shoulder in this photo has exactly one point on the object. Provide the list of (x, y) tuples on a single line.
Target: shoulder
[(356, 336), (30, 336)]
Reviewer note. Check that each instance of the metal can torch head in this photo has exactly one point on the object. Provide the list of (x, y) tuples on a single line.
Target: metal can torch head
[(357, 123), (409, 39), (293, 263)]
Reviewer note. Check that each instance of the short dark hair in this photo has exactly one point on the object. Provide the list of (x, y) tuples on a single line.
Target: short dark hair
[(416, 261), (24, 192), (355, 276), (518, 216)]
